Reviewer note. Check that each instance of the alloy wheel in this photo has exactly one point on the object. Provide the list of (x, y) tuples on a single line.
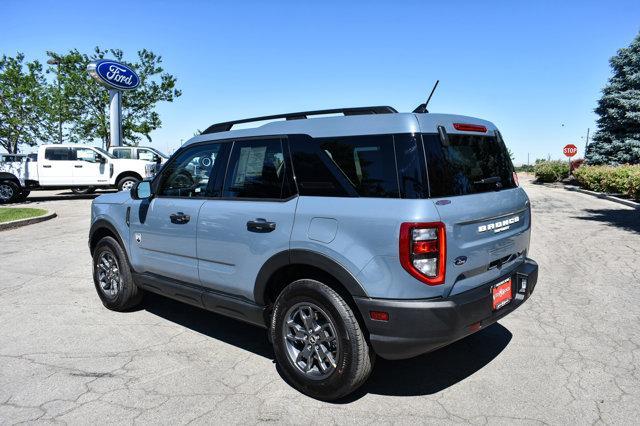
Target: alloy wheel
[(311, 340), (109, 275)]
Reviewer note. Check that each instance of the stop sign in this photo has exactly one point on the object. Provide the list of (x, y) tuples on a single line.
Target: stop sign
[(570, 150)]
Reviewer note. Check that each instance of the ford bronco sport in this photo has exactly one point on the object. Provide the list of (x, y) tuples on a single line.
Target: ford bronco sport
[(373, 233)]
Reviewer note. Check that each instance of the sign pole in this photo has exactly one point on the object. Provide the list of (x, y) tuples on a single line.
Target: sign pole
[(115, 116)]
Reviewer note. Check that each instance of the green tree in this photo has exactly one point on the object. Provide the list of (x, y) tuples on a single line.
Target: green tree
[(85, 103), (24, 101), (617, 139)]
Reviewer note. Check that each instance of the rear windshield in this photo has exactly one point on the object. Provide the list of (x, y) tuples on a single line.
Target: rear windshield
[(469, 164)]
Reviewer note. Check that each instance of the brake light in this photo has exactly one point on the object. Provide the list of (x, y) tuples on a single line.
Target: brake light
[(423, 251), (465, 127), (515, 179)]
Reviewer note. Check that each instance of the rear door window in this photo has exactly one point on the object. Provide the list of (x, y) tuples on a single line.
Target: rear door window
[(256, 170), (468, 164), (57, 154)]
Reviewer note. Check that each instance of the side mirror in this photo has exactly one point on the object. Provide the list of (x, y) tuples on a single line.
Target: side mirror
[(141, 190), (101, 159), (157, 159)]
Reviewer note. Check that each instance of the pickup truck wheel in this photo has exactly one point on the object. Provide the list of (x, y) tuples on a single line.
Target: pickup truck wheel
[(84, 190), (9, 192), (22, 196), (112, 276), (318, 342), (127, 183)]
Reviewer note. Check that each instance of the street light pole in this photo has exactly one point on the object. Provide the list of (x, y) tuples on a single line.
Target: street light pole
[(586, 145), (56, 61)]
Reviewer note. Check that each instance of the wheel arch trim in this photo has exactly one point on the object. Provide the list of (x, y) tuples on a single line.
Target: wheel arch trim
[(105, 224), (308, 258)]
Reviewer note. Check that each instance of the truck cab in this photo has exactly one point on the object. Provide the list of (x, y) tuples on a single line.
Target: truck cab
[(138, 153)]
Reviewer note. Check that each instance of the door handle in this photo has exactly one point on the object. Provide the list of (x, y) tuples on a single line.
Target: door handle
[(78, 166), (261, 226), (47, 166), (180, 218)]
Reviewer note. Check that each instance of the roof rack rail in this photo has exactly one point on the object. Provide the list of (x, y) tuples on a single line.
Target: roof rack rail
[(226, 126)]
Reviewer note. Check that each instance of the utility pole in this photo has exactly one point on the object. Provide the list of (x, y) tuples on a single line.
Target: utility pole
[(56, 61), (586, 145)]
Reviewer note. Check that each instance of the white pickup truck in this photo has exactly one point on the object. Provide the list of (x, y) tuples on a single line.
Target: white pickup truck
[(83, 169), (139, 152)]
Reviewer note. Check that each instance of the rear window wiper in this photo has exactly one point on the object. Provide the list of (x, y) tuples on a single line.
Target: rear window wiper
[(492, 179)]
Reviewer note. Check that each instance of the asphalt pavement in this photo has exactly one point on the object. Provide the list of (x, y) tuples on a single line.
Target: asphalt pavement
[(570, 355)]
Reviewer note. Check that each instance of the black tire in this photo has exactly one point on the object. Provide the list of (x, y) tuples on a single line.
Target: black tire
[(22, 196), (128, 294), (9, 192), (126, 181), (84, 190), (355, 358)]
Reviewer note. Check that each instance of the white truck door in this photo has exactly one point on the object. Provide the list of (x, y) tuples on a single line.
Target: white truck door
[(87, 168), (55, 167)]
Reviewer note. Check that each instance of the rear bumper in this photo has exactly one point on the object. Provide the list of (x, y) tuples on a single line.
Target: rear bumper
[(416, 327)]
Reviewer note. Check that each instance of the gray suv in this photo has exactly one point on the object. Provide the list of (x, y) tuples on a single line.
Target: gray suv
[(369, 233)]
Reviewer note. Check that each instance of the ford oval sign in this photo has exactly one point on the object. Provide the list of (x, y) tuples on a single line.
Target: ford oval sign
[(113, 74)]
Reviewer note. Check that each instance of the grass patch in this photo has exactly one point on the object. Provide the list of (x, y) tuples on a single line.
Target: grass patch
[(7, 214)]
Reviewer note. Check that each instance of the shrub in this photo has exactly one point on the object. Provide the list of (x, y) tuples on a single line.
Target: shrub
[(551, 171), (525, 168), (623, 180)]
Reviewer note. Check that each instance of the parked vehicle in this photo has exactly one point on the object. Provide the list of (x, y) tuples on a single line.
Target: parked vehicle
[(376, 233), (82, 169), (12, 158), (145, 153)]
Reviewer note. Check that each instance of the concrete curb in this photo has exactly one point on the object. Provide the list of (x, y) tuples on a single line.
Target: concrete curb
[(605, 196), (29, 221)]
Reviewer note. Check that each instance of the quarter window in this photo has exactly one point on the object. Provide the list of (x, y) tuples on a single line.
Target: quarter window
[(367, 162), (256, 170), (189, 174)]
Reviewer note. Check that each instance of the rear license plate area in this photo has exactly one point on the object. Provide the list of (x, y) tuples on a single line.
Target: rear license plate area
[(501, 294)]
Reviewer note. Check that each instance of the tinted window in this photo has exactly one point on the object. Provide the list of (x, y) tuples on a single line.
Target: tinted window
[(411, 169), (256, 170), (469, 164), (189, 174), (122, 153), (316, 174), (367, 162), (57, 154)]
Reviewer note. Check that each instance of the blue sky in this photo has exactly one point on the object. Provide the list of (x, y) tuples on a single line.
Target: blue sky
[(534, 68)]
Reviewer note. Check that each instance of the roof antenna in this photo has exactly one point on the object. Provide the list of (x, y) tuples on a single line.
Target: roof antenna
[(422, 108)]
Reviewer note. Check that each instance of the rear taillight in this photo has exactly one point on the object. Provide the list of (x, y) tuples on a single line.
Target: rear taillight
[(423, 251), (465, 127)]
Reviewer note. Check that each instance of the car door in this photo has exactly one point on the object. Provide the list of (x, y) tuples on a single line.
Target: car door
[(56, 168), (163, 230), (251, 222), (88, 169)]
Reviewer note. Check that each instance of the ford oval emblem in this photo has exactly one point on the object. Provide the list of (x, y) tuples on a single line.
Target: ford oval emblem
[(113, 74), (460, 260)]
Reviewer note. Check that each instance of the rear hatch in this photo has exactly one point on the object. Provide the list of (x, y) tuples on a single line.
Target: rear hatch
[(474, 188)]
